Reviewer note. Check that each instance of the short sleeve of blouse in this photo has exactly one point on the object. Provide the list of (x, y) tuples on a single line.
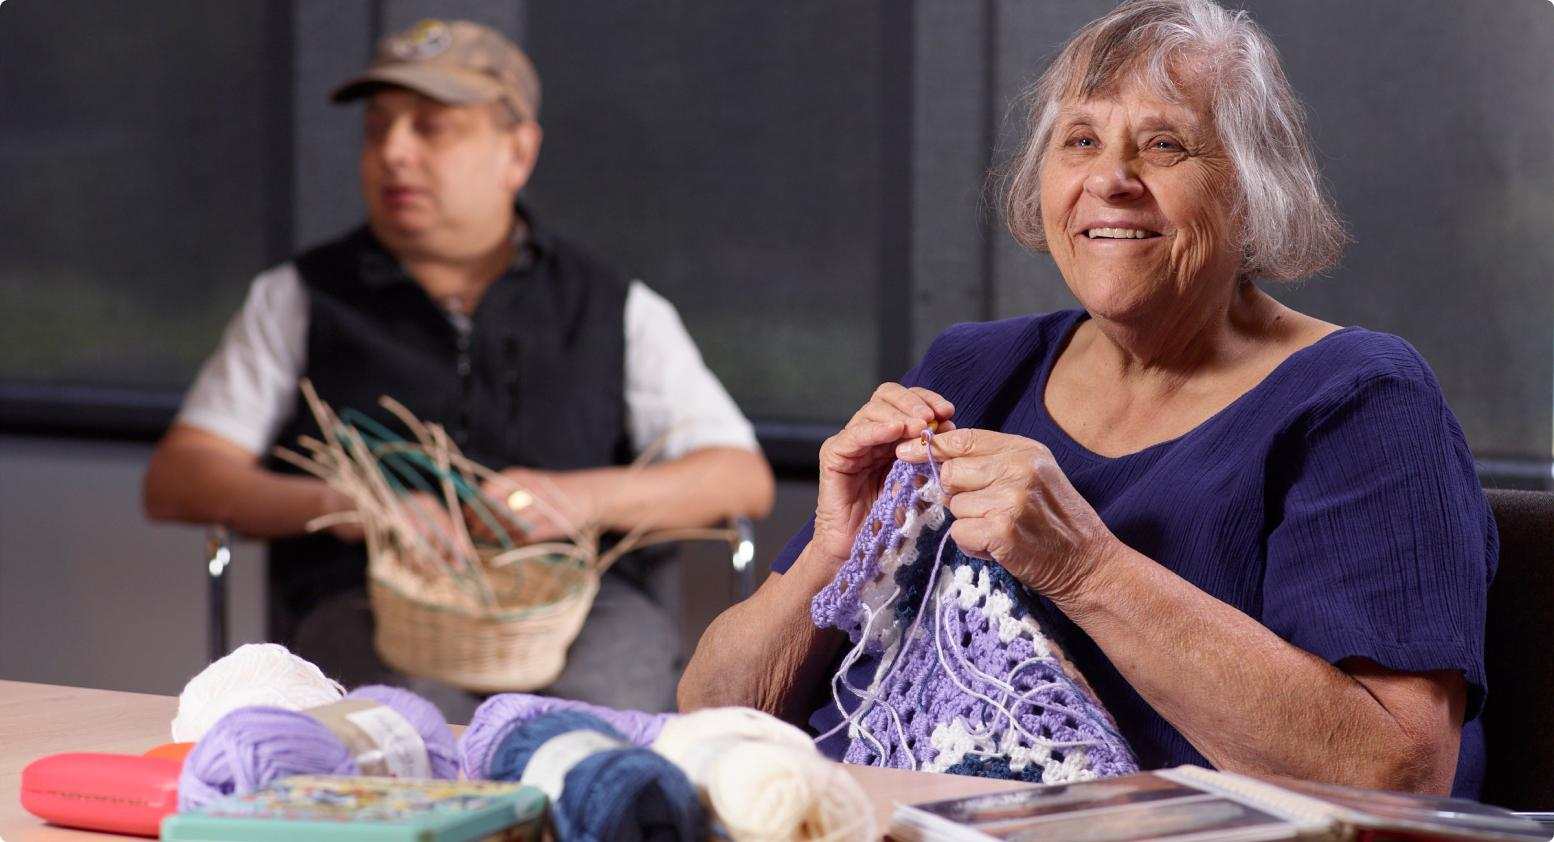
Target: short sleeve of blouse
[(1384, 548)]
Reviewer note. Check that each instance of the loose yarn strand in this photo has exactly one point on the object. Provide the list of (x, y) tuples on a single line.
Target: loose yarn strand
[(1008, 688), (901, 649), (1013, 721), (867, 697)]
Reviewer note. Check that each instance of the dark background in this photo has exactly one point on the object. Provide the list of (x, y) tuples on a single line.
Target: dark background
[(804, 179)]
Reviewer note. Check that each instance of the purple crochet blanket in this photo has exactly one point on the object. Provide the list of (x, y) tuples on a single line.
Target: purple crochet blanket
[(967, 681)]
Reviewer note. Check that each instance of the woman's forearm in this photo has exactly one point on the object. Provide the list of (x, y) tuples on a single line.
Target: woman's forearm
[(765, 652), (1248, 700)]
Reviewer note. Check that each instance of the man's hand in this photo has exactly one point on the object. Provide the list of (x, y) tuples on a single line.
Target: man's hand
[(338, 503), (535, 506), (197, 476)]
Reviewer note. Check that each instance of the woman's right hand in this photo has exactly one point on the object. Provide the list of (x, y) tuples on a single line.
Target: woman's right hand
[(853, 463)]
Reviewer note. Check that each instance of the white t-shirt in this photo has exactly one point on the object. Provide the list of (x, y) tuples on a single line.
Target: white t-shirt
[(247, 390)]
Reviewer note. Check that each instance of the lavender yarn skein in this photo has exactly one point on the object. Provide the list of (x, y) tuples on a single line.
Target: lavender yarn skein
[(499, 715), (251, 747), (427, 720)]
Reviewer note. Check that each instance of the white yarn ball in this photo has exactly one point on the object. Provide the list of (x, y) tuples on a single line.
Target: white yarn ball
[(253, 674), (762, 790), (764, 779), (843, 811)]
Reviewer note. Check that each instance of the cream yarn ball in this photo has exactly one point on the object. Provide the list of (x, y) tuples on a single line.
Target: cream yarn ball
[(682, 734), (253, 674), (764, 779)]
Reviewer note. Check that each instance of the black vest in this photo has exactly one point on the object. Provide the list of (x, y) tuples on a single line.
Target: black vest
[(537, 382)]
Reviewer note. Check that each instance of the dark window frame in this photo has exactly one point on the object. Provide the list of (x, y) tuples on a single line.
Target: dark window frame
[(100, 413), (142, 416)]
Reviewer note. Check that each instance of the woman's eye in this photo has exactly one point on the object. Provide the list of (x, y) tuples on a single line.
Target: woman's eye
[(1082, 143), (1165, 144)]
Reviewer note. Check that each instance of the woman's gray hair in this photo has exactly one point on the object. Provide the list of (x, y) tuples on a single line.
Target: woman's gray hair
[(1289, 227)]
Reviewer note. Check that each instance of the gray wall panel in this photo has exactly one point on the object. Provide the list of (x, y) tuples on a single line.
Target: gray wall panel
[(91, 594)]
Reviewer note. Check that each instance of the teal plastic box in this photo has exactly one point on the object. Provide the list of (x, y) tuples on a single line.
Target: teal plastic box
[(330, 807)]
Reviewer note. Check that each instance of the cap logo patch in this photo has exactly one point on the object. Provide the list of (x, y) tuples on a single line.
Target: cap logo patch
[(423, 41)]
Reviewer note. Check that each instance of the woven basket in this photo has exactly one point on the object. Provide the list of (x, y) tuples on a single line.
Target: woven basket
[(518, 644), (475, 617)]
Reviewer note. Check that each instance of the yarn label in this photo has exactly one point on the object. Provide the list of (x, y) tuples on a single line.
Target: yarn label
[(381, 741), (548, 767)]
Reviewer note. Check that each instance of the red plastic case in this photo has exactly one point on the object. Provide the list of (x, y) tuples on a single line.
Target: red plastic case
[(117, 793)]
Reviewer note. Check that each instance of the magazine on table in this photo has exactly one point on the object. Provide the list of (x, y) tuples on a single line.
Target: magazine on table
[(1191, 804)]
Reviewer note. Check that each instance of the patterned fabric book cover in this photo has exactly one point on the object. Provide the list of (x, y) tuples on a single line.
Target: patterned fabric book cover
[(329, 807)]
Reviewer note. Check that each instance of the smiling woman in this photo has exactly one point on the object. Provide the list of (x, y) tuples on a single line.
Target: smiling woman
[(1210, 93), (1258, 535)]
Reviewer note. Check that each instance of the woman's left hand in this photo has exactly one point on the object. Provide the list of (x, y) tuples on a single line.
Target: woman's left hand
[(1014, 505)]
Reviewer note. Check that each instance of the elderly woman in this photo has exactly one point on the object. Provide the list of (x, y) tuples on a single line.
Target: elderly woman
[(1262, 533)]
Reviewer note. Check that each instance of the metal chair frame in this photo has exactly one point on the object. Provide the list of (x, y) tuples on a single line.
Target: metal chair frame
[(218, 557)]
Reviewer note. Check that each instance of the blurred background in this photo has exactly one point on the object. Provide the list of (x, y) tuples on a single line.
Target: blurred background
[(805, 180)]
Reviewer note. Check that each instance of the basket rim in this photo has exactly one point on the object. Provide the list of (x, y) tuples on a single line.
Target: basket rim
[(586, 589)]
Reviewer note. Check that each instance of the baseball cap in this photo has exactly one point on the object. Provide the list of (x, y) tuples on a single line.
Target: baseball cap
[(454, 62)]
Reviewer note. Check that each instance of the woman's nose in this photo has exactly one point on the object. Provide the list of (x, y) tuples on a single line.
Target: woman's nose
[(1113, 179)]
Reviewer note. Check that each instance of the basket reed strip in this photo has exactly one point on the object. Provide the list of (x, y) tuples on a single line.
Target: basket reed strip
[(542, 502), (444, 548), (476, 500), (487, 618)]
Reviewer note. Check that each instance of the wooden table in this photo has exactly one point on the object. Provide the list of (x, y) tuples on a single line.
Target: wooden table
[(41, 719)]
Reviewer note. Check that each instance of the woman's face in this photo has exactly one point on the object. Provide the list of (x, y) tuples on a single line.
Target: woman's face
[(1136, 201)]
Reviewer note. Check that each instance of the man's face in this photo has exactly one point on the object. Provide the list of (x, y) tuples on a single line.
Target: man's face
[(439, 180)]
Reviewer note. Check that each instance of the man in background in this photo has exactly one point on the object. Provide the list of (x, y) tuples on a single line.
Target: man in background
[(536, 356)]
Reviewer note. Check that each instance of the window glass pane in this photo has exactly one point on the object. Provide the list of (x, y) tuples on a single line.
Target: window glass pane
[(143, 156), (729, 155)]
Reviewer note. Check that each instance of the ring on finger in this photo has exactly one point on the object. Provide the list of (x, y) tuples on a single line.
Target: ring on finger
[(520, 500)]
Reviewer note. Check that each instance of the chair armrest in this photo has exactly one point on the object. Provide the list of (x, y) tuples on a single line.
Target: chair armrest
[(218, 556), (743, 558)]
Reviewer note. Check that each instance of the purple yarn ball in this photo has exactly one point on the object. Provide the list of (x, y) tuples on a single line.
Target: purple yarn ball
[(499, 715), (249, 747), (427, 720), (253, 746)]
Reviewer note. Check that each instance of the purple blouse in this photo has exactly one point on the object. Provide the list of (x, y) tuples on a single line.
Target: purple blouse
[(1336, 503)]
